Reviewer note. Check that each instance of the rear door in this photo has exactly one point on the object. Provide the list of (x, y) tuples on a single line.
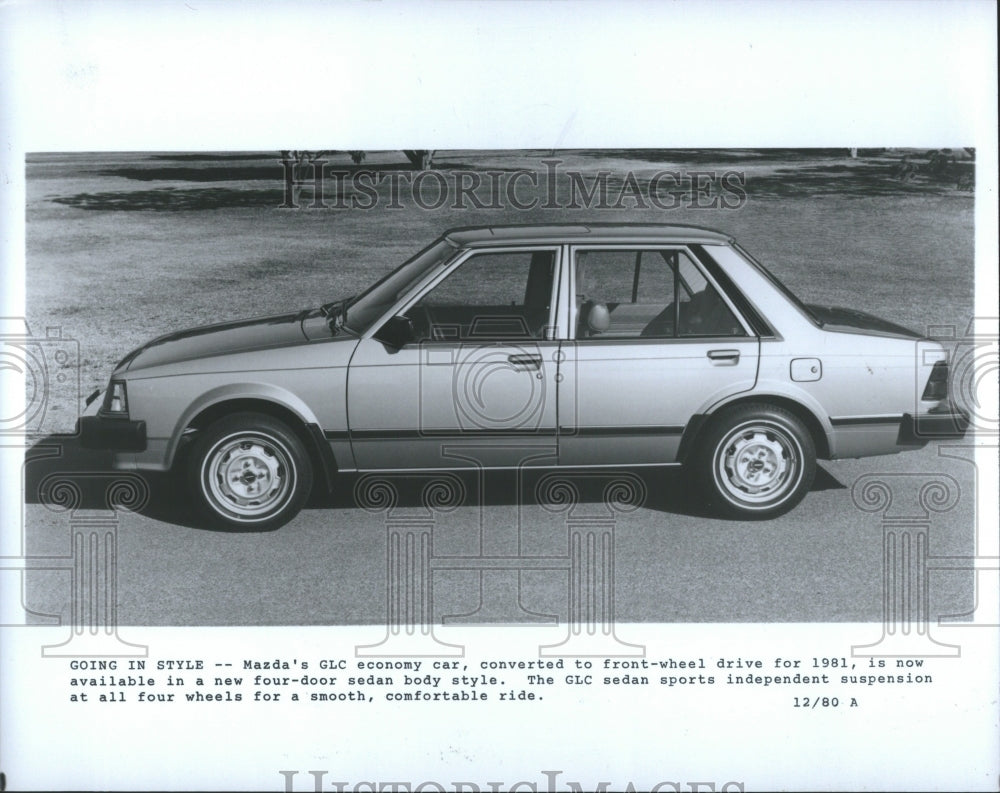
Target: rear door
[(653, 341)]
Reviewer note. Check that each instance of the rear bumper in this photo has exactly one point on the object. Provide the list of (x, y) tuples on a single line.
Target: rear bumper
[(98, 432), (946, 425)]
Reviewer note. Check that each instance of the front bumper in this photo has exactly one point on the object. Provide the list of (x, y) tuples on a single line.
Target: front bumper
[(99, 432), (946, 425)]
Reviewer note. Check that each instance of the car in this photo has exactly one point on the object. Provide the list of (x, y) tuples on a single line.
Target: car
[(570, 346)]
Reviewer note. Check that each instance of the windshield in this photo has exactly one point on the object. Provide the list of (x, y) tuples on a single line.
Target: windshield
[(380, 297)]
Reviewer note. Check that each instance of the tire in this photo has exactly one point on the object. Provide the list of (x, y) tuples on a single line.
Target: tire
[(756, 461), (249, 472)]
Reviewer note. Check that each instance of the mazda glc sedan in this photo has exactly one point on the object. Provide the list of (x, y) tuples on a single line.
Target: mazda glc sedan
[(569, 346)]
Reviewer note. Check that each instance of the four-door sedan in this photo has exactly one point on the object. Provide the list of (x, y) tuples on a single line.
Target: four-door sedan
[(574, 346)]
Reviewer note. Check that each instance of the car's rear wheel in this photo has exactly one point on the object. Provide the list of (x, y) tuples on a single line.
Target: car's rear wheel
[(250, 472), (757, 461)]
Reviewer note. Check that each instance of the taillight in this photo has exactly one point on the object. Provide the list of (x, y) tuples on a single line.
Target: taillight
[(937, 384)]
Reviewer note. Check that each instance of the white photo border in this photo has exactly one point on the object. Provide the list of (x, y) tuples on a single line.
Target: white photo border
[(207, 76)]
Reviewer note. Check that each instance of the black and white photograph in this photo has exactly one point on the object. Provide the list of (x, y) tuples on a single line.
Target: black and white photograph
[(501, 344), (332, 465)]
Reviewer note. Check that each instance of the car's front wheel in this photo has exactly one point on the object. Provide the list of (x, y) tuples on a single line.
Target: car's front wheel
[(757, 461), (250, 472)]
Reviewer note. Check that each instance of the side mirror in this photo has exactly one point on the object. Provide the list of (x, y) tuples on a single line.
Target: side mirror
[(397, 332)]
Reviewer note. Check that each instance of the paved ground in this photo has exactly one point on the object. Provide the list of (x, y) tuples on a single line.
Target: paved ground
[(820, 563)]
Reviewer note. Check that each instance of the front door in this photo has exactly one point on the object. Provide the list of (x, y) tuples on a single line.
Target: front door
[(476, 384)]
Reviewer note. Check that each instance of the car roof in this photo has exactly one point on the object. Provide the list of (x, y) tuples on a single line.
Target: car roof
[(584, 232)]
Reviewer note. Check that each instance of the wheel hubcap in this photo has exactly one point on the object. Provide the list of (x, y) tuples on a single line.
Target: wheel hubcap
[(248, 476), (757, 463)]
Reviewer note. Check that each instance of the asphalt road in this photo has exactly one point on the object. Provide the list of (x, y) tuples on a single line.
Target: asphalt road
[(823, 562)]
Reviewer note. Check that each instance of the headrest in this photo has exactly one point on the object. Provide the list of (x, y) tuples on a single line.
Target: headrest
[(599, 318)]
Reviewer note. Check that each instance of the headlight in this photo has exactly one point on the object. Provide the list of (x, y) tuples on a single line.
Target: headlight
[(116, 400)]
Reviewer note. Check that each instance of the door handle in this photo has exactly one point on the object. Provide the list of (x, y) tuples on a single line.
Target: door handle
[(724, 357), (525, 361)]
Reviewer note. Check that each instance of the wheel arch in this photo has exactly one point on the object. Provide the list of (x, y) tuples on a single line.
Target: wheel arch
[(700, 423), (309, 432)]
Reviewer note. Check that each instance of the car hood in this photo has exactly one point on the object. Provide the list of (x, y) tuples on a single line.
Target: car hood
[(260, 333), (836, 317)]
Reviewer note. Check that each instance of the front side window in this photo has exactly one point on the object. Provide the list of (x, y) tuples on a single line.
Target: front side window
[(491, 296), (633, 294), (367, 307)]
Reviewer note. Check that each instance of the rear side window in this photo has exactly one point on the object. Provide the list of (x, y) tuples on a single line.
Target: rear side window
[(635, 294)]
